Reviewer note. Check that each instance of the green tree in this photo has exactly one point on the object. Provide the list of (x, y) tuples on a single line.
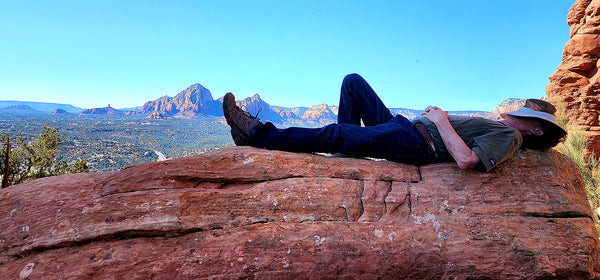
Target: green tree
[(36, 159), (4, 158), (79, 166)]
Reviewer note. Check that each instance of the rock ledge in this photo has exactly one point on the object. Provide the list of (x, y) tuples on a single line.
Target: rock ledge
[(256, 214)]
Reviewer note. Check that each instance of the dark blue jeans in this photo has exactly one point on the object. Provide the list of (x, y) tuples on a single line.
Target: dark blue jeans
[(383, 136)]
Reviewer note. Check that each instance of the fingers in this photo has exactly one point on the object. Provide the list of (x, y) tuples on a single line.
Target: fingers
[(433, 110), (430, 108)]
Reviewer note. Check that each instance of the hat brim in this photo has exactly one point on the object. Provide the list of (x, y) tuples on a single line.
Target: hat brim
[(525, 112)]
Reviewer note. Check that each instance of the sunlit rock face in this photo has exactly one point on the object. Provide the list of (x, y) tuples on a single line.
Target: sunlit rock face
[(250, 213), (576, 83), (191, 102)]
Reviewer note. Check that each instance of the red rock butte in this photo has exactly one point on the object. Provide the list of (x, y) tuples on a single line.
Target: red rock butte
[(251, 213), (576, 83)]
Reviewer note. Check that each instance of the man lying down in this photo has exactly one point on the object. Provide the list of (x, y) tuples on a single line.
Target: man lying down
[(435, 136)]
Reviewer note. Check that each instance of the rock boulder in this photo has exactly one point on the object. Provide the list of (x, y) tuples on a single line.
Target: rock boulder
[(576, 83), (256, 214)]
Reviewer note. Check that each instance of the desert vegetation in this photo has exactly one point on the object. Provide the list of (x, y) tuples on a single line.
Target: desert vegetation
[(576, 147), (22, 160)]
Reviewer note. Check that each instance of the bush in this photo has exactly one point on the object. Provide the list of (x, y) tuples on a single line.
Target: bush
[(36, 159), (576, 147)]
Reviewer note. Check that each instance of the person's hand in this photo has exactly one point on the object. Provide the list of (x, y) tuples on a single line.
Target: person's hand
[(435, 114)]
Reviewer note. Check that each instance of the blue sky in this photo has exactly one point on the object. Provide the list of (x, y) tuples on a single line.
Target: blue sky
[(460, 55)]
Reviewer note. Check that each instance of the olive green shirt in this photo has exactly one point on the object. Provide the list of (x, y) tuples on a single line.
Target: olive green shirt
[(493, 141)]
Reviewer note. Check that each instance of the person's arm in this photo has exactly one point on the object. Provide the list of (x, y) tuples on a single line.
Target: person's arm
[(462, 154)]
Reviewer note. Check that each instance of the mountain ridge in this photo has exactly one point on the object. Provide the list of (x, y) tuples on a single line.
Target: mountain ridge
[(20, 109), (196, 100), (42, 106)]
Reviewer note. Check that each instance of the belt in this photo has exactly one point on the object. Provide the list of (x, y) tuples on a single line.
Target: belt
[(431, 145)]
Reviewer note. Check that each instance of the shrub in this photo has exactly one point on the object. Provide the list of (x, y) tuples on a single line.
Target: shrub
[(21, 160), (576, 147)]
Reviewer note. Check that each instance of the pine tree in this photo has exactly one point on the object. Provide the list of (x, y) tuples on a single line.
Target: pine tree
[(37, 159)]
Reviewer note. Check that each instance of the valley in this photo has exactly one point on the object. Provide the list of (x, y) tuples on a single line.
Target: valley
[(112, 143)]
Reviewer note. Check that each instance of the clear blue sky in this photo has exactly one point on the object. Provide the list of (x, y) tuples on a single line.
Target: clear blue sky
[(460, 54)]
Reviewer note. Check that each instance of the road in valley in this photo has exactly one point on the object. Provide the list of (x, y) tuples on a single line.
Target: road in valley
[(161, 156)]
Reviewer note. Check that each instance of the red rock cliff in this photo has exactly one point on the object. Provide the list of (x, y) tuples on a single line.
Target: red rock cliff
[(257, 214), (576, 82)]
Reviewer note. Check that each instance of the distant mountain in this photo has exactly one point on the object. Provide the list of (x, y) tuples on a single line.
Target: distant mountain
[(106, 111), (412, 113), (510, 104), (196, 100), (193, 101), (61, 112), (137, 108), (256, 106), (158, 116), (131, 113), (20, 109), (42, 106), (481, 114), (407, 113), (286, 112), (291, 115), (320, 111), (319, 115)]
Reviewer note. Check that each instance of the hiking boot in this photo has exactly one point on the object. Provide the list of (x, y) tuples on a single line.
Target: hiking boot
[(240, 121)]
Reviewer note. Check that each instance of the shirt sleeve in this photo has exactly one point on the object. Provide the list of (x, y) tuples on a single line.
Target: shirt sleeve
[(496, 147)]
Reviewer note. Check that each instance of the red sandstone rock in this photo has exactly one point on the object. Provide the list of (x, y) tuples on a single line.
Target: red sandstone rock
[(576, 84), (320, 113), (251, 213), (577, 16)]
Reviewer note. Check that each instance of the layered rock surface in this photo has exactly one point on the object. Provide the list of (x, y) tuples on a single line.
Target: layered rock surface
[(576, 83), (257, 214)]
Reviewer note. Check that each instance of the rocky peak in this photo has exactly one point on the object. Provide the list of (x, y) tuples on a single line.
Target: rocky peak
[(319, 107), (60, 111), (157, 116), (507, 105), (192, 101), (108, 110), (193, 97), (256, 106), (256, 214), (256, 98), (321, 114)]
